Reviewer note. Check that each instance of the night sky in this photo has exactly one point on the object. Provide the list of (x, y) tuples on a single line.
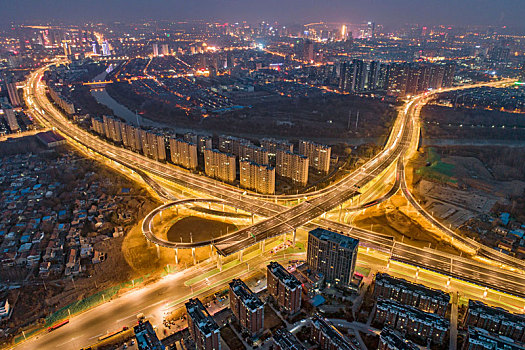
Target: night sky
[(388, 12)]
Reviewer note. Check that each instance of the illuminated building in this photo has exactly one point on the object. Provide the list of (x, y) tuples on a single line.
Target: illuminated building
[(318, 155), (183, 153), (426, 326), (284, 340), (111, 129), (96, 48), (260, 178), (247, 308), (292, 166), (155, 49), (203, 328), (284, 288), (164, 49), (417, 295), (370, 30), (253, 153), (495, 320), (230, 144), (105, 49), (390, 339), (272, 145), (333, 255), (308, 51), (12, 91), (220, 165), (326, 336)]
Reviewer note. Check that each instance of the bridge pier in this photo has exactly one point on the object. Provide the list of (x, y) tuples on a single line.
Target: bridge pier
[(340, 211), (177, 256), (294, 235), (219, 261), (240, 254), (262, 245), (252, 218), (158, 251), (193, 255)]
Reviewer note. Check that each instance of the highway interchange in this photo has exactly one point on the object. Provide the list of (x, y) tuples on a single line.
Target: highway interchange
[(280, 219)]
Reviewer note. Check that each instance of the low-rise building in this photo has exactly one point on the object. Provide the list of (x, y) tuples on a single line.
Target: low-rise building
[(480, 339), (495, 320), (428, 327), (417, 295), (390, 339)]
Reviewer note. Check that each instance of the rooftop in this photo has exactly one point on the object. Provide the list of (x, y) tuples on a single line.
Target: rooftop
[(248, 298), (286, 340), (395, 340), (201, 317), (419, 288), (477, 336), (283, 275), (331, 332), (146, 337), (342, 240)]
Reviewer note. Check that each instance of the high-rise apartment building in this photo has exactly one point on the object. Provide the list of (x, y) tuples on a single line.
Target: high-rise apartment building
[(253, 153), (272, 145), (292, 166), (155, 49), (105, 49), (153, 145), (308, 51), (318, 155), (332, 254), (232, 145), (183, 153), (220, 165), (203, 328), (247, 308), (260, 178), (284, 287), (165, 49), (112, 129)]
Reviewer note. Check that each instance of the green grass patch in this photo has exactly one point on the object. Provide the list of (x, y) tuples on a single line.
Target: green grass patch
[(365, 271)]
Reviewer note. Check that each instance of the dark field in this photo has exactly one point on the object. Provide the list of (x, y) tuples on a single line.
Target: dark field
[(200, 229)]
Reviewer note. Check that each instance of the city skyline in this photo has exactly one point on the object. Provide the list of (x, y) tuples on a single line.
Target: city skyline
[(262, 175), (390, 13)]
